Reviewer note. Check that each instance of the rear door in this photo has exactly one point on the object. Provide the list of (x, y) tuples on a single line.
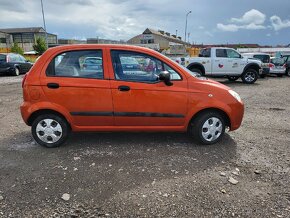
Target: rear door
[(83, 92), (139, 98), (25, 66)]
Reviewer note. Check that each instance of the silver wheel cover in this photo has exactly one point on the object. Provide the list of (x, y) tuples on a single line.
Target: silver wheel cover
[(250, 76), (212, 129), (49, 131)]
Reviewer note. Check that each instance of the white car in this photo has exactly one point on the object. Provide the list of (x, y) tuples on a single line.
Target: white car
[(277, 66)]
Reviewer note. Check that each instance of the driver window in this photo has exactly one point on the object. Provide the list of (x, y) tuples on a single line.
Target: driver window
[(134, 66), (233, 54)]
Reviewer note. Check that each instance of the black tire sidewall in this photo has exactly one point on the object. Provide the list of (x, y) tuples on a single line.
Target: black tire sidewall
[(60, 120), (249, 70), (196, 70), (197, 123)]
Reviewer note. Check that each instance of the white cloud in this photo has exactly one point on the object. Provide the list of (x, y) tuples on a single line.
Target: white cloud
[(279, 24), (228, 27), (251, 17), (251, 20)]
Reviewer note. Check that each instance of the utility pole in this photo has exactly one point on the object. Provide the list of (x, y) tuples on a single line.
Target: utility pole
[(44, 23), (186, 25)]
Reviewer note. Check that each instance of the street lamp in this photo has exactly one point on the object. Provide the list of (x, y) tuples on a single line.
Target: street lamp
[(44, 24), (186, 25)]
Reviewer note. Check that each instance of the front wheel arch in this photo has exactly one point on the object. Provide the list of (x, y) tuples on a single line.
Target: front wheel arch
[(207, 110)]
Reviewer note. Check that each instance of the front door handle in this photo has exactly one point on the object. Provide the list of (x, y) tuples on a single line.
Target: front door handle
[(124, 88), (53, 85)]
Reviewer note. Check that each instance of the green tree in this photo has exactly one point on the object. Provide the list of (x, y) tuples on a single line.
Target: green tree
[(17, 49), (40, 46)]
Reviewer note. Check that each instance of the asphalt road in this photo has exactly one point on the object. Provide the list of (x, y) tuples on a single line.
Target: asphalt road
[(151, 174)]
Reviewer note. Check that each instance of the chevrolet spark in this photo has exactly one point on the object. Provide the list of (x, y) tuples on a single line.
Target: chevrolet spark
[(123, 88)]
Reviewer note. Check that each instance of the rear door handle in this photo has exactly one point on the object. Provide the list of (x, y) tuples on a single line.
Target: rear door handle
[(124, 88), (53, 85)]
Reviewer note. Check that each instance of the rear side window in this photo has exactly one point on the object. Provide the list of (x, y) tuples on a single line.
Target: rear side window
[(221, 53), (205, 53), (2, 58), (263, 58), (80, 64)]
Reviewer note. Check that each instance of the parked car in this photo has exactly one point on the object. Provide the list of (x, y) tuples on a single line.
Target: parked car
[(223, 62), (57, 102), (265, 58), (92, 63), (277, 66), (287, 64), (13, 64)]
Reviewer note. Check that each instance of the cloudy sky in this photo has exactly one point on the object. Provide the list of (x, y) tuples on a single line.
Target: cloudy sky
[(266, 22)]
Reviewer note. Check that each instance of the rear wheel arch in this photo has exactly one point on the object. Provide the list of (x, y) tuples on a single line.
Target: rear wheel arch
[(197, 66), (37, 113)]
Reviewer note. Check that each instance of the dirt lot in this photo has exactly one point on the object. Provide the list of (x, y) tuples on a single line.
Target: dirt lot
[(151, 174)]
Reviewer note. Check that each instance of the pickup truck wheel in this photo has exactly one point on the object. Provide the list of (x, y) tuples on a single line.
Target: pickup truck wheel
[(50, 130), (233, 78), (287, 73), (250, 76), (196, 70), (208, 128)]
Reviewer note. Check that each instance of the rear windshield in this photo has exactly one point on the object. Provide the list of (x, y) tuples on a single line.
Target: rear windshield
[(263, 58), (2, 58)]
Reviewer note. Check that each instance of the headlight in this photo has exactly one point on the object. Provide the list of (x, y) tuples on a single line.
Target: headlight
[(235, 95)]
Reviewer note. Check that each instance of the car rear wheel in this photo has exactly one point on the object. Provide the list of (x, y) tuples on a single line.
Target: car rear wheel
[(208, 128), (287, 72), (250, 76), (50, 130), (233, 78), (16, 71), (195, 70)]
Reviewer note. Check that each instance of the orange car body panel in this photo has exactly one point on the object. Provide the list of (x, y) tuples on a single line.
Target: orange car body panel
[(146, 107)]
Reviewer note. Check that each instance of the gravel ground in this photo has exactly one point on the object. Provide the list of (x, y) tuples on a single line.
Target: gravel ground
[(151, 174)]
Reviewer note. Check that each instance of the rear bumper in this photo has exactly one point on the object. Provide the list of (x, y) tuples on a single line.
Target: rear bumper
[(25, 111)]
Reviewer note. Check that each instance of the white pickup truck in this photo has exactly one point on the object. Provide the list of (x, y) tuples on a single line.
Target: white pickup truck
[(223, 62)]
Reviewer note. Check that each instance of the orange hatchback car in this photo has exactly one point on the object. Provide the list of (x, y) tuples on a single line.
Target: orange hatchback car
[(122, 88)]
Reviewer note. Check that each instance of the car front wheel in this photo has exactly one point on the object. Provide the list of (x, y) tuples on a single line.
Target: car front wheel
[(16, 71), (250, 76), (208, 128), (50, 130)]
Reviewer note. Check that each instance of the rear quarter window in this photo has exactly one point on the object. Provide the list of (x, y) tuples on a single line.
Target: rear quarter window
[(80, 64)]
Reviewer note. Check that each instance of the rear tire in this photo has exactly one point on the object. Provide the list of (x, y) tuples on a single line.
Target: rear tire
[(249, 76), (287, 73), (208, 128), (196, 70), (50, 130)]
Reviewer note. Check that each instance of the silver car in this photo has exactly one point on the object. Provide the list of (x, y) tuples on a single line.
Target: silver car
[(277, 66)]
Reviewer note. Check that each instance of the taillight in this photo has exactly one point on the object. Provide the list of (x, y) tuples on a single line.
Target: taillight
[(284, 65), (23, 80), (7, 58), (271, 65)]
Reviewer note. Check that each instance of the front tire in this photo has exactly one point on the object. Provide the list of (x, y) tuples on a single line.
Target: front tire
[(208, 128), (16, 71), (50, 130), (249, 76), (287, 73)]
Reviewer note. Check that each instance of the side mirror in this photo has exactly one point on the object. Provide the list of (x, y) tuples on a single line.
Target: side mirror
[(165, 77)]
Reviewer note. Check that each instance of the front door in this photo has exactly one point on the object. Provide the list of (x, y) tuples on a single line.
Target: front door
[(77, 81), (139, 98)]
